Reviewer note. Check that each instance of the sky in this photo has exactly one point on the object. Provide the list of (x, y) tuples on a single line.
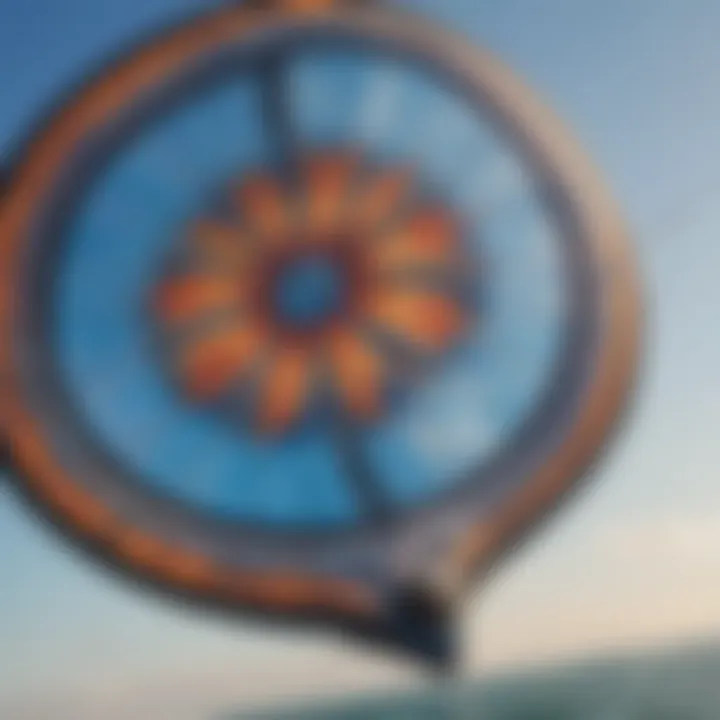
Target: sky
[(633, 560)]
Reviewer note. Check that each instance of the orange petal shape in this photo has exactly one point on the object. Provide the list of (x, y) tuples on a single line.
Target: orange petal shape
[(383, 196), (285, 389), (220, 242), (328, 179), (185, 298), (358, 371), (211, 363), (429, 238), (264, 206), (428, 320)]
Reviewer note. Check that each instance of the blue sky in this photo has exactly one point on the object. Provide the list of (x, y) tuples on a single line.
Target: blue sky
[(635, 560)]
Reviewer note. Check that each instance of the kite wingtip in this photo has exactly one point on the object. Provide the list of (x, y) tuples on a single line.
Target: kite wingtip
[(422, 623)]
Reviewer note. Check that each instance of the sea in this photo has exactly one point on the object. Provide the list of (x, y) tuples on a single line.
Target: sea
[(680, 684)]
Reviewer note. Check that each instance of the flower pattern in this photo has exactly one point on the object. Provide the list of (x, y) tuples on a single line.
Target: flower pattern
[(331, 291)]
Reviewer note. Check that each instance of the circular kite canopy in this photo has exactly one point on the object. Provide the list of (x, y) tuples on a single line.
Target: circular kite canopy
[(312, 311)]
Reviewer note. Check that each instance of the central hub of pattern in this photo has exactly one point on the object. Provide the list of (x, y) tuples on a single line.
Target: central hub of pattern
[(324, 294), (308, 292), (308, 284)]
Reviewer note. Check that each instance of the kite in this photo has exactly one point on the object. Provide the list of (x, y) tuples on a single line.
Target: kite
[(310, 311)]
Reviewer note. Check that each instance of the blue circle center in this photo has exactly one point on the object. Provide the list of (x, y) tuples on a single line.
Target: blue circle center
[(309, 291)]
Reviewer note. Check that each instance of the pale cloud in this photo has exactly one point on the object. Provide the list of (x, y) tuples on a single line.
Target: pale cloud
[(210, 690), (495, 184), (639, 582), (380, 108), (452, 426), (691, 538)]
